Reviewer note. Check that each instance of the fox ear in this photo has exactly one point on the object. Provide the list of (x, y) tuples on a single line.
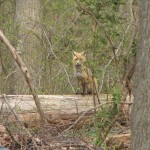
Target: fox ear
[(83, 53), (74, 53)]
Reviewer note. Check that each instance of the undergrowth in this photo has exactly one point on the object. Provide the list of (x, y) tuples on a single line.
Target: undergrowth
[(104, 120)]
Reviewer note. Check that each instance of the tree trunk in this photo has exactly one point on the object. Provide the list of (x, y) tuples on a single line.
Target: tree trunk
[(28, 15), (141, 111)]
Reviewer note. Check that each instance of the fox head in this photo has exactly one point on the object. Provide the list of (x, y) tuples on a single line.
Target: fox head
[(79, 59)]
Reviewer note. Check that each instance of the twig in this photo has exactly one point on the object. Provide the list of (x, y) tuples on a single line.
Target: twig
[(57, 74), (94, 101), (1, 110), (83, 145), (97, 93), (119, 125), (9, 75), (125, 102)]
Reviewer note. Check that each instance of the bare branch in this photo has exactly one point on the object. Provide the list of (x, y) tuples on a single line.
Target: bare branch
[(25, 72)]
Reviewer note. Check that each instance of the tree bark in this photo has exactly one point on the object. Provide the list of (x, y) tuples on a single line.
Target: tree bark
[(28, 14), (141, 112)]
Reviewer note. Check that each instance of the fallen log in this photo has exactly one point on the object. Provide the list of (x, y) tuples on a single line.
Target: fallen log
[(57, 108), (56, 103)]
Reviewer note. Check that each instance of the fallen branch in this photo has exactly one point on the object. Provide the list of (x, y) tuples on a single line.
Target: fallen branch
[(25, 72)]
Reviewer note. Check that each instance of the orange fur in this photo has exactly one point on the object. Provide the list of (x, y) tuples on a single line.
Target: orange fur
[(87, 84)]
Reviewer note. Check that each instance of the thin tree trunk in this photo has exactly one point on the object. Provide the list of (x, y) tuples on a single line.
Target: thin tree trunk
[(28, 14), (25, 72)]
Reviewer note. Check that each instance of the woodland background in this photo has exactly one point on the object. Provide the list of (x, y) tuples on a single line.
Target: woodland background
[(46, 32)]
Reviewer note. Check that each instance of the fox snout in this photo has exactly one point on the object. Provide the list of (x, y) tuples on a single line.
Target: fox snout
[(78, 65)]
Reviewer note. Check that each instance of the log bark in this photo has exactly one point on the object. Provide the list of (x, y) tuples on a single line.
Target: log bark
[(25, 72)]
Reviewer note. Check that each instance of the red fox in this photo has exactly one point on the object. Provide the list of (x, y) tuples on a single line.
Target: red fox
[(87, 84)]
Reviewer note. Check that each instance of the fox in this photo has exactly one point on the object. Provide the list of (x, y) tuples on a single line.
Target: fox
[(87, 84)]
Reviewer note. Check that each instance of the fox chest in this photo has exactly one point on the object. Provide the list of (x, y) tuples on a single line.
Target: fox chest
[(82, 76)]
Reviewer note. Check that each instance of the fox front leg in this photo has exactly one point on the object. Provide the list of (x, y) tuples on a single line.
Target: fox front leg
[(78, 88), (83, 88), (89, 89)]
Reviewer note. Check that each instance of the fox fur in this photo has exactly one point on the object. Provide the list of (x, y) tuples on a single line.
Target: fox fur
[(87, 84)]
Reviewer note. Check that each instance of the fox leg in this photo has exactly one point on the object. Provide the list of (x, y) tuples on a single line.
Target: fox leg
[(89, 88), (78, 89), (92, 87), (83, 88)]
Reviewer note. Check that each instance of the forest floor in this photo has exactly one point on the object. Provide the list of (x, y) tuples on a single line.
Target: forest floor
[(50, 138), (60, 133)]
